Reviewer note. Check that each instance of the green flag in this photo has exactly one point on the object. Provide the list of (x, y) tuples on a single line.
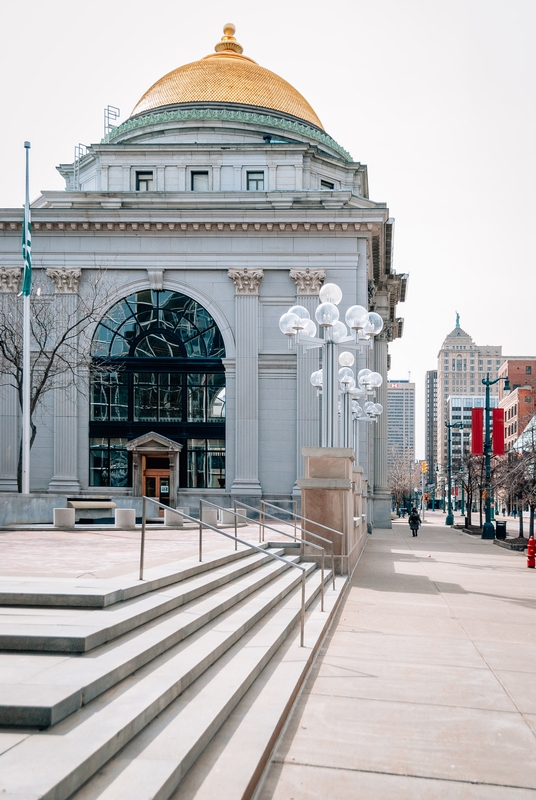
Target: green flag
[(27, 234)]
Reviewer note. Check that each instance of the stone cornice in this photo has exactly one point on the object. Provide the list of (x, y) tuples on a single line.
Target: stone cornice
[(166, 227), (225, 115)]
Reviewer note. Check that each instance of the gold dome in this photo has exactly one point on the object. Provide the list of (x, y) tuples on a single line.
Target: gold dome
[(227, 76)]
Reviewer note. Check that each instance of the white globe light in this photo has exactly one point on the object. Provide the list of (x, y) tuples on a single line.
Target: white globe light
[(287, 323), (362, 376), (356, 408), (301, 323), (316, 378), (356, 317), (375, 380), (327, 314), (369, 407), (309, 328), (346, 359), (350, 384), (346, 375), (375, 323), (339, 331), (300, 311), (330, 293), (378, 408)]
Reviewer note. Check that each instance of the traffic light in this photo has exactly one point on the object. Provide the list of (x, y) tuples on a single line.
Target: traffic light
[(424, 467)]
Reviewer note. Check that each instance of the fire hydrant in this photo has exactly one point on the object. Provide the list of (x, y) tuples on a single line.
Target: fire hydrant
[(531, 552)]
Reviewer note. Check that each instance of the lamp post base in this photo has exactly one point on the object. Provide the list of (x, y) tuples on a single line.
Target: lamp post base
[(449, 519), (488, 531)]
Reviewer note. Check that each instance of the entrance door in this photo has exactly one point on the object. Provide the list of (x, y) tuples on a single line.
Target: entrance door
[(156, 479)]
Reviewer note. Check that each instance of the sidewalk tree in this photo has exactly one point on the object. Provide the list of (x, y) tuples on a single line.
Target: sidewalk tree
[(60, 340)]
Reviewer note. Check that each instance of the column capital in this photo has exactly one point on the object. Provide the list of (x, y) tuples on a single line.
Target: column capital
[(9, 279), (308, 281), (246, 280), (65, 280)]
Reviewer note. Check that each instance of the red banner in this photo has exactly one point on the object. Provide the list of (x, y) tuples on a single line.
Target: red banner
[(477, 432), (498, 431)]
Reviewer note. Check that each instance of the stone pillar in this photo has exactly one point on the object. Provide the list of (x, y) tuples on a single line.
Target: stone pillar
[(246, 480), (332, 498), (65, 479), (9, 402), (308, 284), (382, 496)]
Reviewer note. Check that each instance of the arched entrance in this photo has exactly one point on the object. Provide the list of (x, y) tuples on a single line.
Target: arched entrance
[(157, 368)]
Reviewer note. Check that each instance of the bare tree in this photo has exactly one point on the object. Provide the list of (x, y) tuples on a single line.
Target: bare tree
[(60, 344)]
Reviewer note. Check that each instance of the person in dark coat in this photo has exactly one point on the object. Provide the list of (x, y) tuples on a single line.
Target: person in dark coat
[(414, 521)]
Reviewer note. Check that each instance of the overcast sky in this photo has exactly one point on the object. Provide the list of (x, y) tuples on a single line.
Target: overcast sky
[(436, 97)]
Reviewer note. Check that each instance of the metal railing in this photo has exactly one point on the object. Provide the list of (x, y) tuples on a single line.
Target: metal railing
[(276, 530), (294, 512), (313, 522), (295, 537), (227, 536)]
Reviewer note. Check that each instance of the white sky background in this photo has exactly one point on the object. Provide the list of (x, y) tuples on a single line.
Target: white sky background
[(435, 96)]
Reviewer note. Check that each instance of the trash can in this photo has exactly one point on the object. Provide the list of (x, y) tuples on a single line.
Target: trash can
[(500, 529)]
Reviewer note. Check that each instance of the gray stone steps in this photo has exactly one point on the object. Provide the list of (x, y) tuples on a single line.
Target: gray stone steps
[(53, 764), (89, 592), (53, 691), (156, 762), (35, 631)]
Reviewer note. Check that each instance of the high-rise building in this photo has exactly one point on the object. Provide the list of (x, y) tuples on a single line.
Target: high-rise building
[(459, 410), (430, 433), (400, 421), (461, 365)]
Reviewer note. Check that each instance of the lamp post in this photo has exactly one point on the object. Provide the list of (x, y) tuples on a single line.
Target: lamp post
[(459, 426), (364, 325), (488, 531)]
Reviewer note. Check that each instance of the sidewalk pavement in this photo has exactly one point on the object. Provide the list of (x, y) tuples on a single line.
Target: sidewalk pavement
[(425, 688)]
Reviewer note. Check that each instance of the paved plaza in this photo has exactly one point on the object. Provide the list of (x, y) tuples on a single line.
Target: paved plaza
[(426, 685)]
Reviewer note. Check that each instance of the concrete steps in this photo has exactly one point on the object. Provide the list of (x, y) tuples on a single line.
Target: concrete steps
[(147, 702), (53, 691)]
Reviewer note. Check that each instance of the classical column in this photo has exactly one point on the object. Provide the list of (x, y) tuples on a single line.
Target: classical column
[(65, 479), (9, 402), (308, 284), (246, 480), (382, 496)]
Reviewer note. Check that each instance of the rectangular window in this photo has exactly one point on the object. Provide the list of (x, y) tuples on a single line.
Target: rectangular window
[(157, 397), (327, 185), (108, 462), (206, 463), (528, 370), (109, 397), (206, 398), (255, 181), (199, 182), (144, 181)]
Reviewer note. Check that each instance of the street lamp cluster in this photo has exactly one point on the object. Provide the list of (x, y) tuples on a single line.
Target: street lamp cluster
[(337, 376)]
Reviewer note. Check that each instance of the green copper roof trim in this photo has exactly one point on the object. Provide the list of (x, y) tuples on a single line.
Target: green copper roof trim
[(228, 116)]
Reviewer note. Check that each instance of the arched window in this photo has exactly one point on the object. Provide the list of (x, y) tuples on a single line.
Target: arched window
[(157, 366)]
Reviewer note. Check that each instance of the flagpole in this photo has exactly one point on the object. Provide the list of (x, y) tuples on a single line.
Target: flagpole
[(26, 289)]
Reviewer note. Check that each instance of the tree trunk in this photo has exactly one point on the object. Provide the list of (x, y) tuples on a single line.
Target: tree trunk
[(520, 511)]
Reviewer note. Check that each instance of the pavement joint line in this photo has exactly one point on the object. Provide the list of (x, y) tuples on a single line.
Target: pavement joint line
[(406, 702), (286, 763)]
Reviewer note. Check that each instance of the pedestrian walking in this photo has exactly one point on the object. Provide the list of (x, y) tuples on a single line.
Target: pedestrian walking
[(414, 521)]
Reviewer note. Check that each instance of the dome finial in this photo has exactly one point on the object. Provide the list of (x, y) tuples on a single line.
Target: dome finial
[(228, 41)]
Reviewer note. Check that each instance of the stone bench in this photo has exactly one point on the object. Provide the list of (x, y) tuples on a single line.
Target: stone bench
[(89, 503)]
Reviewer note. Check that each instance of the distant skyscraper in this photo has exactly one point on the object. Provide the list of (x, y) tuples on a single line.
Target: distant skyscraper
[(430, 434), (401, 420), (461, 365)]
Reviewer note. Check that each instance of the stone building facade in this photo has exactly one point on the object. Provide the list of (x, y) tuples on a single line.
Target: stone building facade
[(220, 202)]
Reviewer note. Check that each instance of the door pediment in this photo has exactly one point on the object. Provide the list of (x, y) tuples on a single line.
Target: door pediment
[(153, 443)]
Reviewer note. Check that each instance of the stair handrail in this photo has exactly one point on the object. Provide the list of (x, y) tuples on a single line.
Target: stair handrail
[(228, 536), (294, 536), (305, 519), (276, 530), (294, 511)]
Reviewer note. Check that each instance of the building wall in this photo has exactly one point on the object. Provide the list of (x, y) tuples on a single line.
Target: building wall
[(430, 434), (401, 420)]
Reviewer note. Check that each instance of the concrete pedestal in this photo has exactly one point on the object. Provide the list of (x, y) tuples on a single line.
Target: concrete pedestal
[(173, 517), (64, 517), (210, 516), (125, 518), (333, 494)]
